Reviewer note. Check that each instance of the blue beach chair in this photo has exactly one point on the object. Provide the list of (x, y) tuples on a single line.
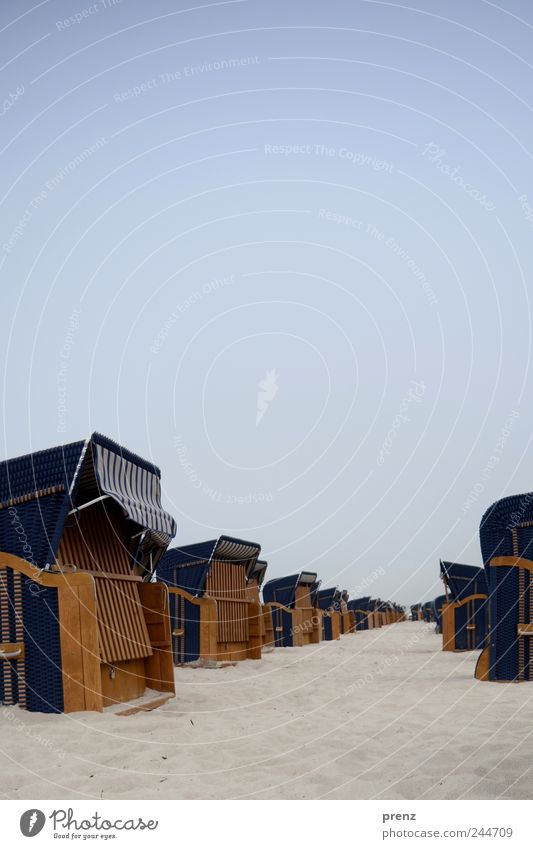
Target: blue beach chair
[(363, 616), (212, 616), (506, 537), (292, 602), (329, 602), (82, 625), (437, 605), (465, 614)]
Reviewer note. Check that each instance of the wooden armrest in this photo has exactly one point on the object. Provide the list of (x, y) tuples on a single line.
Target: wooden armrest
[(509, 562)]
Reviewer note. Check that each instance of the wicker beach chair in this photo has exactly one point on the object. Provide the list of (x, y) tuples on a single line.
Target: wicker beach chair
[(292, 602), (212, 616), (81, 531), (465, 613), (427, 611), (363, 617), (329, 602), (417, 614), (437, 606), (506, 537)]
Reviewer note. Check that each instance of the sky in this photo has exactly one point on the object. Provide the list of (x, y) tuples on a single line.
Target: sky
[(284, 251)]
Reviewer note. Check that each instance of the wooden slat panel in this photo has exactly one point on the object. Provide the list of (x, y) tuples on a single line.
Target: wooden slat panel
[(302, 596), (232, 626), (71, 652), (89, 645), (122, 630), (93, 541)]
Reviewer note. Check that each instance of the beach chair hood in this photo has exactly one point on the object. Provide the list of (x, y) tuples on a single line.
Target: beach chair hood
[(187, 567), (39, 490), (283, 590), (257, 573), (462, 580), (328, 598)]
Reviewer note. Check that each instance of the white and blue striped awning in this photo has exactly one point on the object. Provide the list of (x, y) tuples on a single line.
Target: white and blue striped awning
[(135, 488)]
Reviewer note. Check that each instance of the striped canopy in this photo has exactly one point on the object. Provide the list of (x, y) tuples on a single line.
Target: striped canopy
[(187, 566), (283, 590), (136, 489), (43, 487)]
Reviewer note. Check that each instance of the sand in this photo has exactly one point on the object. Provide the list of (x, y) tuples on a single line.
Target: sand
[(379, 714)]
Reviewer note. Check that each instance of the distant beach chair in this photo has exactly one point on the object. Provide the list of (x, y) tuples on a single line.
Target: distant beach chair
[(363, 616), (375, 605), (437, 606), (82, 626), (329, 602), (292, 602), (399, 613), (417, 613), (427, 611), (506, 537), (465, 613), (347, 617), (254, 582), (212, 616)]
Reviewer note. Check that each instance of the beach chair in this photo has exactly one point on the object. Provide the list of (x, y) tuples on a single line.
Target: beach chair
[(387, 613), (81, 531), (347, 617), (427, 611), (506, 537), (436, 607), (292, 602), (329, 602), (465, 613), (212, 616), (254, 582), (363, 618), (417, 613)]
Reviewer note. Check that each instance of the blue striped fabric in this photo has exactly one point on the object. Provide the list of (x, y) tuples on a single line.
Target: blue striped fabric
[(258, 572), (137, 490)]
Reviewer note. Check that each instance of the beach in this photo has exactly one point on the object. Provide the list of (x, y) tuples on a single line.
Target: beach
[(381, 714)]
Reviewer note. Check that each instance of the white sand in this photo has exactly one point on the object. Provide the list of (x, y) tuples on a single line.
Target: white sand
[(380, 714)]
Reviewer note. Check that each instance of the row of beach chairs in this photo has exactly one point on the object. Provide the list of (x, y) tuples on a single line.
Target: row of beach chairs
[(490, 609), (95, 608)]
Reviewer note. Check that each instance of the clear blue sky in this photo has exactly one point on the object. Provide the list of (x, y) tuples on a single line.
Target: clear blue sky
[(284, 249)]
